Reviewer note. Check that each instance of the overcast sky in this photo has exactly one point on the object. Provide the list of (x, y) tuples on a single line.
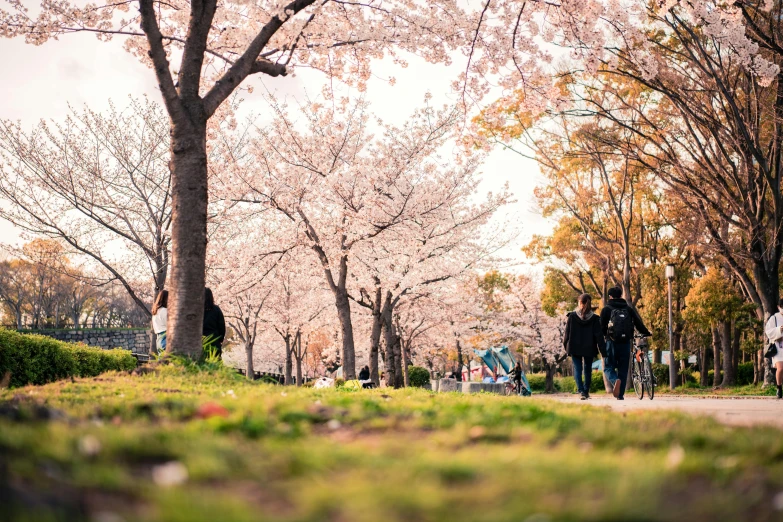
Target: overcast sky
[(40, 82)]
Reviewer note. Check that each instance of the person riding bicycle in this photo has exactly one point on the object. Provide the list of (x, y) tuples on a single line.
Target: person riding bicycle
[(618, 321), (516, 374)]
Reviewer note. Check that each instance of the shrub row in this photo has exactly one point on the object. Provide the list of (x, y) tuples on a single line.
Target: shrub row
[(744, 375), (36, 359), (565, 384)]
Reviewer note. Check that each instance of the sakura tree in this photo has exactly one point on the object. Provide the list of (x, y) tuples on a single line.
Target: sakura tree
[(99, 185)]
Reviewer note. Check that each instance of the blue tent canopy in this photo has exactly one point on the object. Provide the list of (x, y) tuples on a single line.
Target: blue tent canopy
[(496, 358)]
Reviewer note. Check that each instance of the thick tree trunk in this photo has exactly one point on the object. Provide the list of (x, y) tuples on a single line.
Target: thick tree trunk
[(375, 337), (735, 350), (405, 363), (298, 356), (188, 235), (703, 373), (288, 360), (728, 355), (388, 337), (716, 379), (550, 377), (460, 362), (657, 357), (343, 304), (19, 324), (399, 378), (249, 369)]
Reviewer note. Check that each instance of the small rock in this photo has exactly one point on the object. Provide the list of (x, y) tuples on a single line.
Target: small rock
[(675, 456), (89, 445), (106, 516), (170, 474), (585, 447), (333, 424), (476, 432), (777, 501)]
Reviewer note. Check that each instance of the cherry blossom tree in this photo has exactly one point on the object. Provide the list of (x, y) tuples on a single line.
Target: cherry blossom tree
[(99, 185)]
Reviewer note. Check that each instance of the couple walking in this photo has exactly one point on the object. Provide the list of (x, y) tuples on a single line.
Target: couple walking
[(609, 334)]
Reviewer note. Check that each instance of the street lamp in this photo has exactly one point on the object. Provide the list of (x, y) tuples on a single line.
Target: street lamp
[(672, 367)]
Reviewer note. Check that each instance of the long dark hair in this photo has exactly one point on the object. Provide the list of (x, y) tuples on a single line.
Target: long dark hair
[(209, 299), (161, 301)]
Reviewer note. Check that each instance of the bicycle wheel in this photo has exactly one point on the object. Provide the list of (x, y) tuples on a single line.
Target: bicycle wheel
[(509, 388), (649, 379), (638, 381)]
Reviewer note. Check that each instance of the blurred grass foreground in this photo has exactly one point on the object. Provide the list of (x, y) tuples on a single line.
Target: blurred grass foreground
[(181, 443)]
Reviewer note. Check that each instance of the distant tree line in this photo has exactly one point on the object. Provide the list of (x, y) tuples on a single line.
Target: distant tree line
[(40, 289)]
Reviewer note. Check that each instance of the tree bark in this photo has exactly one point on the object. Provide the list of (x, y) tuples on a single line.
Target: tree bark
[(550, 377), (375, 337), (405, 363), (703, 373), (343, 305), (298, 356), (716, 379), (188, 234), (288, 361), (250, 370), (460, 362), (728, 355)]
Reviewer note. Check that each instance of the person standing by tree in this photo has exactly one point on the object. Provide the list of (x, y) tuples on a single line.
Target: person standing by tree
[(214, 322), (618, 321), (583, 341), (159, 318), (774, 331)]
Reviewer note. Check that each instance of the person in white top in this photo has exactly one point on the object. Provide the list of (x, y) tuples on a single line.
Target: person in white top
[(774, 331), (159, 317)]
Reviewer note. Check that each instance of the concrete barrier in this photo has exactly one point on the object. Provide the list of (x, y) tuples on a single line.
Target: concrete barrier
[(449, 385), (476, 387), (435, 385)]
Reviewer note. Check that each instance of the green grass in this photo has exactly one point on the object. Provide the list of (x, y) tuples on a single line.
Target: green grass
[(92, 449)]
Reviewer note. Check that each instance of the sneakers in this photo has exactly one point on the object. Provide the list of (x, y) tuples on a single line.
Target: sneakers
[(584, 396), (780, 393), (616, 388), (620, 398)]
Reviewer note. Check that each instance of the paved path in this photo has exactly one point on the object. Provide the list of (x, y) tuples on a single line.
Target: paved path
[(741, 411)]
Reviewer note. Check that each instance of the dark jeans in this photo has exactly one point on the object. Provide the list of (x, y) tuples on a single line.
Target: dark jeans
[(583, 369), (616, 363)]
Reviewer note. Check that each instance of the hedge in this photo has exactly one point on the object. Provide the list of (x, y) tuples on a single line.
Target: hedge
[(537, 382), (36, 359), (418, 376)]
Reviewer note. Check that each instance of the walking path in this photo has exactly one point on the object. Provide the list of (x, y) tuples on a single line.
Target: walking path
[(741, 411)]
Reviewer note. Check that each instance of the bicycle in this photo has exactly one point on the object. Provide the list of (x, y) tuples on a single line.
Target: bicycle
[(523, 389), (641, 370)]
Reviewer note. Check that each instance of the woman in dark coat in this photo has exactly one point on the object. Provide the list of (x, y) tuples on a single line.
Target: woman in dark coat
[(214, 322), (583, 341)]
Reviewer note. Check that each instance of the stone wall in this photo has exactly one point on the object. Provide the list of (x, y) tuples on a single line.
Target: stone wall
[(136, 340)]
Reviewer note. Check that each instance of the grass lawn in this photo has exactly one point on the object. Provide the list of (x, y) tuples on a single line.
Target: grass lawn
[(181, 444)]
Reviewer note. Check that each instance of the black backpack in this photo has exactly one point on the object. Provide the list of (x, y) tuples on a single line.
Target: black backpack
[(620, 325)]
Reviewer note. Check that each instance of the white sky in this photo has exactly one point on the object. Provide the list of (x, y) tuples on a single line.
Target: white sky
[(40, 82)]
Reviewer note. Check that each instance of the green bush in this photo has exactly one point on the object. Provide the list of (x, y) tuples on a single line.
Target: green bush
[(339, 382), (537, 382), (568, 384), (36, 359), (745, 373), (661, 373), (418, 376)]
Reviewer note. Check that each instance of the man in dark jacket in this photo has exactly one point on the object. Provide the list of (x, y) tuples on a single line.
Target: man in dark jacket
[(214, 322), (618, 356)]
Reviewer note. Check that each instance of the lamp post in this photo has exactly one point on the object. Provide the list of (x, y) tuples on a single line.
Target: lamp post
[(672, 365)]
